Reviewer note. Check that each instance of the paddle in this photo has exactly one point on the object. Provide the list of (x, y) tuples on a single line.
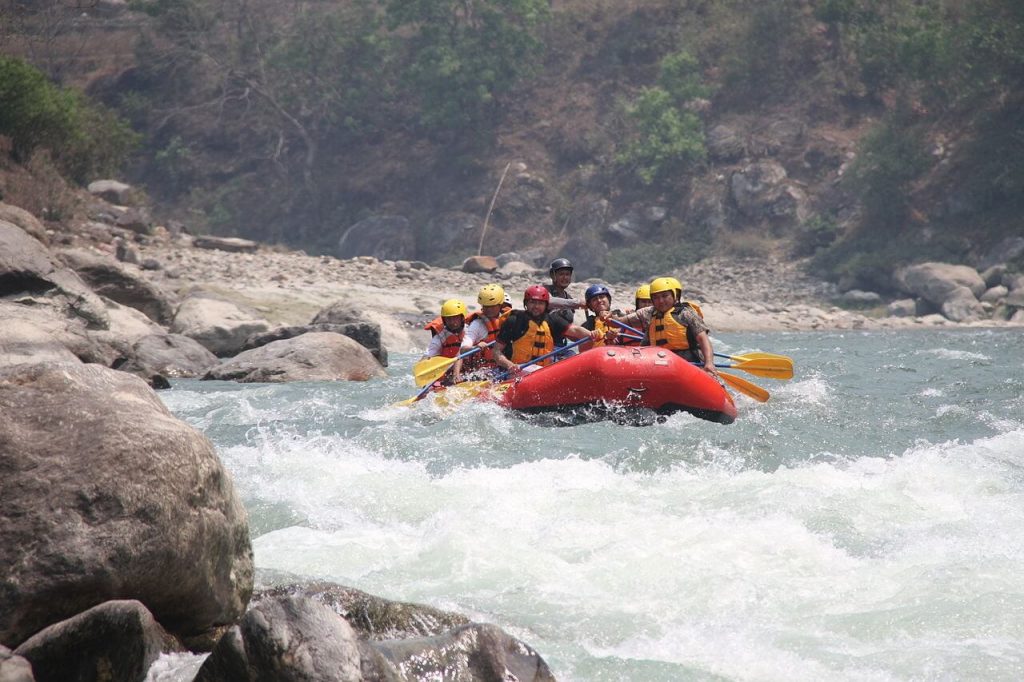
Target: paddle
[(745, 387), (418, 396), (757, 355), (504, 375), (431, 369), (772, 368)]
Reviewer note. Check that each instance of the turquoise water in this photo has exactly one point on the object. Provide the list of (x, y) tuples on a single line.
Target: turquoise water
[(866, 523)]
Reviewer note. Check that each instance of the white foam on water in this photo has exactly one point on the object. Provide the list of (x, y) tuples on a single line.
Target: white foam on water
[(828, 569), (955, 354)]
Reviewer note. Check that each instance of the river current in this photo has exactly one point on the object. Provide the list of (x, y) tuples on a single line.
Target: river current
[(866, 523)]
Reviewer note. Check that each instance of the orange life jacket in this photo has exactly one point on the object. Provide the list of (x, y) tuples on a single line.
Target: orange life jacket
[(452, 344)]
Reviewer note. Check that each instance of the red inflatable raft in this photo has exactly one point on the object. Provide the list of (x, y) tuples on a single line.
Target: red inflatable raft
[(613, 381)]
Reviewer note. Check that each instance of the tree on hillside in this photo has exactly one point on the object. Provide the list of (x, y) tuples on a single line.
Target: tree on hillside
[(462, 56), (278, 86)]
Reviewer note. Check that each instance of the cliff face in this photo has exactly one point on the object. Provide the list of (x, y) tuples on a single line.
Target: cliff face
[(328, 145)]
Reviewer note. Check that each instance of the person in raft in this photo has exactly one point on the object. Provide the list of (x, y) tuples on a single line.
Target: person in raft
[(448, 339), (674, 324), (531, 333), (599, 305), (483, 327), (643, 297)]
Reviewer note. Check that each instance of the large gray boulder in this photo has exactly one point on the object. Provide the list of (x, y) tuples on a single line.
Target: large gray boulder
[(108, 278), (27, 268), (106, 495), (23, 219), (217, 323), (373, 617), (114, 191), (935, 282), (169, 355), (367, 334), (316, 356), (117, 640), (962, 306), (763, 191), (286, 639)]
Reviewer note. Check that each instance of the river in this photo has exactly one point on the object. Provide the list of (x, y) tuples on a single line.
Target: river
[(866, 523)]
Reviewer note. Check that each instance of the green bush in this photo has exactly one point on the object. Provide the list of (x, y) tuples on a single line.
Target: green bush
[(891, 157), (665, 138), (85, 140), (463, 56)]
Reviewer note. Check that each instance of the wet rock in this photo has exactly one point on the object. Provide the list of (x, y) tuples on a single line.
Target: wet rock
[(116, 640), (106, 495), (315, 356), (286, 639), (471, 652), (373, 617)]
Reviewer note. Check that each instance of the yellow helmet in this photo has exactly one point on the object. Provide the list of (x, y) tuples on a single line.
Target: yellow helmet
[(453, 307), (491, 294), (667, 284), (644, 291)]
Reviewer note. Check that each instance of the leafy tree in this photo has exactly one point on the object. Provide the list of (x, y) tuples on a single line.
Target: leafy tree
[(463, 56), (84, 139), (666, 137)]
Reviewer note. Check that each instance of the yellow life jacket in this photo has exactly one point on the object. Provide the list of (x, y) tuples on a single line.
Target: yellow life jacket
[(537, 341), (666, 331), (593, 323)]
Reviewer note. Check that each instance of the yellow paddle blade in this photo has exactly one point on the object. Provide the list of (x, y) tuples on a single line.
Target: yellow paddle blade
[(745, 387), (757, 355), (773, 368), (430, 370)]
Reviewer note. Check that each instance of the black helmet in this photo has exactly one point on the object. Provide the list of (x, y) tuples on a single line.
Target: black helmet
[(559, 264)]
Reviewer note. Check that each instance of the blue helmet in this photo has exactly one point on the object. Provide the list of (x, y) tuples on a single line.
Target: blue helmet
[(597, 290)]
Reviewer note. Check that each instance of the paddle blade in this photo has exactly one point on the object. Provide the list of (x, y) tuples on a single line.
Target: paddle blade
[(757, 355), (772, 368), (745, 387), (430, 370)]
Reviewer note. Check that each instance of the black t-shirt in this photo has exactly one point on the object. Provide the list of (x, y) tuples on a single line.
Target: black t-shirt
[(519, 321)]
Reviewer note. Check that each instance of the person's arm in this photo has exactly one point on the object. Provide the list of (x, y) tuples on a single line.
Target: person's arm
[(574, 331), (558, 303), (501, 360), (704, 341)]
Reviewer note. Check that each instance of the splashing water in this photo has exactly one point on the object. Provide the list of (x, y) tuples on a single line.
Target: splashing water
[(863, 524)]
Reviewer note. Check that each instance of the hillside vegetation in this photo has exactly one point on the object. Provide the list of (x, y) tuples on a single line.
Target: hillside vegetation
[(634, 136)]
